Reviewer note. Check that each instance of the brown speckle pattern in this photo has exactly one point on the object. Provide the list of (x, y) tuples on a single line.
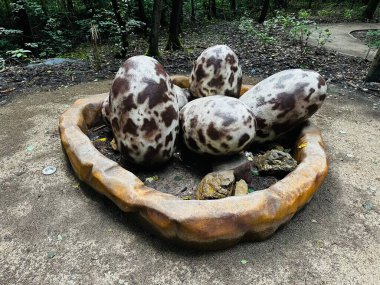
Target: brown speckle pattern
[(216, 72), (143, 109), (284, 100), (217, 125)]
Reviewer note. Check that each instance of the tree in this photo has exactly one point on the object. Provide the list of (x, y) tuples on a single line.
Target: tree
[(173, 41), (154, 32), (264, 11), (123, 28), (192, 17), (22, 21), (233, 6), (370, 9), (374, 71), (141, 11), (213, 8)]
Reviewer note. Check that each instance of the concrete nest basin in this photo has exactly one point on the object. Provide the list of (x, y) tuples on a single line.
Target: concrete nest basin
[(206, 224)]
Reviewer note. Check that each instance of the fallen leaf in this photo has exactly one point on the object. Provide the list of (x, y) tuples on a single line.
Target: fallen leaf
[(250, 190), (177, 178), (243, 261), (30, 148), (113, 144), (367, 205), (151, 179), (186, 198), (51, 254), (59, 237), (302, 145), (100, 140)]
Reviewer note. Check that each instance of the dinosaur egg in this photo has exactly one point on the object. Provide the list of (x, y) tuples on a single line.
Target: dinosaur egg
[(216, 72), (284, 100), (217, 125), (143, 111)]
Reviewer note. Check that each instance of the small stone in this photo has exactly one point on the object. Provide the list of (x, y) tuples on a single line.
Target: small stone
[(48, 170), (349, 155), (216, 185), (368, 206), (313, 221), (241, 188), (275, 161)]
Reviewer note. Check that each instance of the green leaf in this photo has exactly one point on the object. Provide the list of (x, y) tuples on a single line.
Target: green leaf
[(243, 261), (250, 190), (51, 254), (177, 178)]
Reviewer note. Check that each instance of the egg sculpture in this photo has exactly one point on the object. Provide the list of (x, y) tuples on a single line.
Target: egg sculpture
[(183, 96), (217, 125), (284, 100), (143, 111), (216, 72)]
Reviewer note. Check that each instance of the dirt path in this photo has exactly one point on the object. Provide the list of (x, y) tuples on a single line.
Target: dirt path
[(343, 42), (55, 231)]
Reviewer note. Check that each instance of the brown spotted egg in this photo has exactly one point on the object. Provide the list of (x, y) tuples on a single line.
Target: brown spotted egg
[(284, 100), (143, 111), (217, 125), (183, 96), (216, 72)]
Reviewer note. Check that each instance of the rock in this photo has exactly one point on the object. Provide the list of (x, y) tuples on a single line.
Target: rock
[(216, 185), (275, 161), (241, 188)]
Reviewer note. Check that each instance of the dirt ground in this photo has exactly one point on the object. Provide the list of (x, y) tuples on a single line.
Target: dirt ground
[(54, 230)]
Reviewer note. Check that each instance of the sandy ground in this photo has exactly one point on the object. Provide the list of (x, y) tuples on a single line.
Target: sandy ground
[(55, 231)]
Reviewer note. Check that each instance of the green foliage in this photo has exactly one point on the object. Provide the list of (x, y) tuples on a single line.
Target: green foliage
[(324, 36), (373, 39), (55, 40), (262, 35), (348, 14), (21, 54), (8, 37)]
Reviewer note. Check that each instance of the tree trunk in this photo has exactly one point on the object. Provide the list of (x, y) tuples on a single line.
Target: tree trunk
[(206, 6), (233, 6), (264, 11), (192, 17), (154, 32), (23, 23), (282, 3), (371, 8), (141, 11), (163, 17), (374, 71), (213, 8), (123, 27), (70, 6), (173, 41), (310, 4)]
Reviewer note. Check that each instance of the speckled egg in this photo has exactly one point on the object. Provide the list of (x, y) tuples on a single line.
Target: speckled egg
[(284, 100), (216, 72), (144, 111), (183, 96), (106, 111), (217, 125)]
